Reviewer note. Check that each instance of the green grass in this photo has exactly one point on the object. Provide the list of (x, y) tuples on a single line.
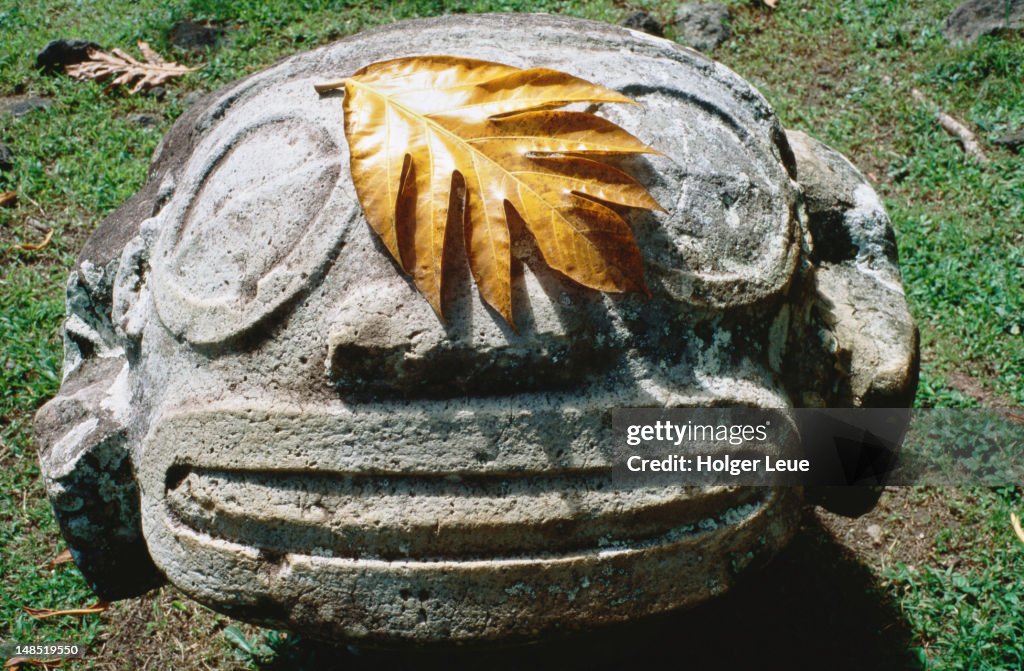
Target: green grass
[(842, 71), (30, 306), (967, 603)]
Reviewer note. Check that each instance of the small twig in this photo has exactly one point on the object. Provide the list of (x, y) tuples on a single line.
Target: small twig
[(38, 206), (954, 127), (43, 613)]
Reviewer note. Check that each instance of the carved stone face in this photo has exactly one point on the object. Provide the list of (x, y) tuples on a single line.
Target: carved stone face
[(261, 403)]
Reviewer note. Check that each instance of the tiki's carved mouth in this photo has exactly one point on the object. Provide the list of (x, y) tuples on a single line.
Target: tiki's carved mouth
[(432, 481), (391, 516), (485, 505)]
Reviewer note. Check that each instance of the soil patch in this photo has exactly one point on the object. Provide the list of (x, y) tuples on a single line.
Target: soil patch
[(974, 388)]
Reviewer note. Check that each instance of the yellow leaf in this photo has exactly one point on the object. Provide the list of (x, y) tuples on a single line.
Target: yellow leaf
[(434, 137)]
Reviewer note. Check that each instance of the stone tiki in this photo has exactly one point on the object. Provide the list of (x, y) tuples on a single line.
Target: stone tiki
[(258, 407)]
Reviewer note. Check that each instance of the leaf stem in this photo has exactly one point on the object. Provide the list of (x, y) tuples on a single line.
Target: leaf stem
[(324, 87)]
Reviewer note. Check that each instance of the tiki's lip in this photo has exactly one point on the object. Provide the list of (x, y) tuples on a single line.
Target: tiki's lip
[(522, 435), (472, 600), (393, 516)]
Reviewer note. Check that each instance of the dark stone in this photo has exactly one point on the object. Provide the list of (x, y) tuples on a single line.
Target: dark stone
[(145, 119), (191, 98), (701, 26), (976, 18), (60, 53), (22, 105), (1013, 140), (193, 36), (6, 158), (645, 21)]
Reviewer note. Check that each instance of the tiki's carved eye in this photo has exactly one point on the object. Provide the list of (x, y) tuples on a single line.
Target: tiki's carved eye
[(257, 217), (731, 236)]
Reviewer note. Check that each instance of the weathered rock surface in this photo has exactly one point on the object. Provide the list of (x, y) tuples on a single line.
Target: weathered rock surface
[(976, 18), (860, 298), (310, 447), (702, 26), (1012, 140)]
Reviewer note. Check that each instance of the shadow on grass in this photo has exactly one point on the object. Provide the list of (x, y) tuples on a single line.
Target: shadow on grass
[(814, 607)]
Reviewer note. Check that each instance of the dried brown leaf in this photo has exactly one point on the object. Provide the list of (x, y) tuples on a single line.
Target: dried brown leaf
[(62, 558), (35, 247), (125, 69), (44, 613), (150, 54), (8, 198), (1015, 521), (15, 663), (434, 136)]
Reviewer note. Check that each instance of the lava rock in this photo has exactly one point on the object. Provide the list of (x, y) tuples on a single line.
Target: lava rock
[(195, 36), (644, 21), (1013, 140), (976, 18), (702, 26), (21, 105), (6, 158), (60, 53), (145, 119)]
